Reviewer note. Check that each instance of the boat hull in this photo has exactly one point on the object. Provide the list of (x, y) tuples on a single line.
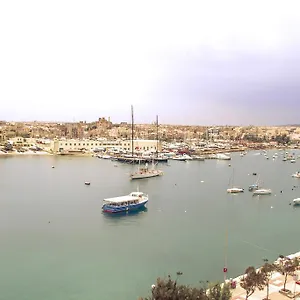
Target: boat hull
[(264, 192), (235, 191), (296, 202), (125, 208), (142, 160), (142, 176)]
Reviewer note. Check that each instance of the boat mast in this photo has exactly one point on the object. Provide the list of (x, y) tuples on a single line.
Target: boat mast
[(225, 269), (132, 127)]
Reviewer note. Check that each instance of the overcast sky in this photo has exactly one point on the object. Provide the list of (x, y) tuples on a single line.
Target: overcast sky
[(190, 62)]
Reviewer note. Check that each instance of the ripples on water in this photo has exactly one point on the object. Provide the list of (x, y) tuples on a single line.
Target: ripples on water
[(93, 255)]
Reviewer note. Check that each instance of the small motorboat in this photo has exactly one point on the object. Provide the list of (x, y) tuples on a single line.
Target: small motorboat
[(253, 187), (235, 190), (87, 183), (296, 175), (296, 202), (52, 167), (262, 192)]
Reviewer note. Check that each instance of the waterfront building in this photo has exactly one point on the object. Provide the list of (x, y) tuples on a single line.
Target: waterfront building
[(78, 145), (141, 145)]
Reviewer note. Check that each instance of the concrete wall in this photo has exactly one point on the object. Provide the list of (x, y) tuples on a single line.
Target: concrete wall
[(144, 145), (77, 145)]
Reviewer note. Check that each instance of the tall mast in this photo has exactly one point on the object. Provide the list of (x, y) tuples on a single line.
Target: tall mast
[(132, 127), (156, 136)]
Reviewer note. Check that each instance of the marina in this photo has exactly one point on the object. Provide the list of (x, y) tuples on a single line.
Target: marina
[(53, 224)]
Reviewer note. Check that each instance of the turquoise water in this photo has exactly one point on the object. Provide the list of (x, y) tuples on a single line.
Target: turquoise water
[(85, 254)]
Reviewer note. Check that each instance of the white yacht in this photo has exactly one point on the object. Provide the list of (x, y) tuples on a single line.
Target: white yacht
[(262, 192), (235, 190), (222, 156), (179, 157), (296, 201), (187, 157)]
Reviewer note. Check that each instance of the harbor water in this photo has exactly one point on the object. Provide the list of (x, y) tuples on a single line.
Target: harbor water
[(57, 244)]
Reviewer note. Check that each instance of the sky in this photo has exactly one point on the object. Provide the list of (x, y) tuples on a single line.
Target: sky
[(189, 62)]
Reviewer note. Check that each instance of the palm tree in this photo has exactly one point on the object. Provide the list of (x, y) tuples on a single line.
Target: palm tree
[(266, 272)]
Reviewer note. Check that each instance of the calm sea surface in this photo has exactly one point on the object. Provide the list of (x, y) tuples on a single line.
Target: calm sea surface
[(57, 244)]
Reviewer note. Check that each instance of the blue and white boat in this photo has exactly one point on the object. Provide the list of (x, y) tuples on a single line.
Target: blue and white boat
[(253, 187), (132, 202)]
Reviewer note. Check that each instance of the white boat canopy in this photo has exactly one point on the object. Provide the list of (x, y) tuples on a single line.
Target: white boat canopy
[(121, 199)]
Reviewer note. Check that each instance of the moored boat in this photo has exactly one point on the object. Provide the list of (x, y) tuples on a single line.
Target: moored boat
[(222, 156), (253, 187), (132, 202), (296, 175), (262, 192), (180, 158), (146, 173), (296, 201), (235, 190)]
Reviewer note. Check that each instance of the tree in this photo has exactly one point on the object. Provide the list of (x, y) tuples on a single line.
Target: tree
[(266, 272), (168, 289), (252, 279), (219, 292), (285, 267)]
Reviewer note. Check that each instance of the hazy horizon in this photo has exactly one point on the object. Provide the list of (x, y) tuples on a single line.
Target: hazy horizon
[(193, 63)]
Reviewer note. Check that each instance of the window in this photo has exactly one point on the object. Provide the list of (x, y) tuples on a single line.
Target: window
[(70, 144), (66, 144)]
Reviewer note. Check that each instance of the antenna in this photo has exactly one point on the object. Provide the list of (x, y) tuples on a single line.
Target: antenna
[(132, 128), (156, 136)]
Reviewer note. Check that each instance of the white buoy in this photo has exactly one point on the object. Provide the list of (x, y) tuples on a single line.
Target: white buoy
[(202, 181)]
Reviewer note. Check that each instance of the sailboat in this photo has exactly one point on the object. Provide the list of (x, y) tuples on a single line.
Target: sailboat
[(234, 189), (261, 191), (145, 172)]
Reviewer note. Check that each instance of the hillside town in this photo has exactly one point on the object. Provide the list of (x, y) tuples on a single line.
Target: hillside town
[(105, 136)]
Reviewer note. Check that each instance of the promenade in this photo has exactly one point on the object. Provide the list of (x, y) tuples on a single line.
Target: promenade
[(276, 284)]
